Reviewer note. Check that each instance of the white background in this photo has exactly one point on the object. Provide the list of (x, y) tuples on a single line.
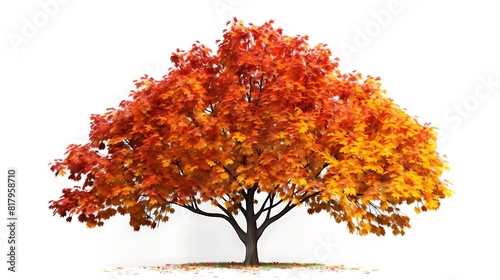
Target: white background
[(62, 61)]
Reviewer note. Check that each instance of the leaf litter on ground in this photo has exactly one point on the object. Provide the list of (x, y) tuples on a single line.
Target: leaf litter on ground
[(216, 269)]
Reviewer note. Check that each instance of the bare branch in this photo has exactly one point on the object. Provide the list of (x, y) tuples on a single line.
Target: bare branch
[(306, 197), (262, 207), (265, 201), (377, 209), (197, 210), (269, 211), (271, 206), (323, 168), (289, 206), (269, 220), (228, 216)]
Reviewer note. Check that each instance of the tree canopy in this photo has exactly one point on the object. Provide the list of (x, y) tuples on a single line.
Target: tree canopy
[(264, 113)]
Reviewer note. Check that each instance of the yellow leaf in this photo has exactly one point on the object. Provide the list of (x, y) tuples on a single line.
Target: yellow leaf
[(303, 129), (415, 193), (329, 159), (366, 226), (358, 215), (211, 163), (165, 162), (152, 201), (128, 190), (447, 192), (302, 182), (239, 137), (360, 127), (376, 168), (432, 204), (220, 170), (190, 168), (128, 203), (350, 191), (240, 179)]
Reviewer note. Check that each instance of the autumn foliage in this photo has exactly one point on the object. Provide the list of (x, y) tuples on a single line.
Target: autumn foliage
[(265, 113)]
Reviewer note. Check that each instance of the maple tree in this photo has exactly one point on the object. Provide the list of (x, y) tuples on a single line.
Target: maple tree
[(268, 115)]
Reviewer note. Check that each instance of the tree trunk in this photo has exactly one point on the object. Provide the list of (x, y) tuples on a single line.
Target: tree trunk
[(250, 240), (251, 255)]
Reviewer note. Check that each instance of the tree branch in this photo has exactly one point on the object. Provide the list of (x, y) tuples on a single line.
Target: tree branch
[(323, 168), (212, 108), (265, 201), (228, 217), (177, 163), (271, 203), (269, 220), (249, 93), (261, 84), (230, 173), (305, 197), (377, 209), (262, 207), (198, 211), (242, 209), (289, 206), (271, 206)]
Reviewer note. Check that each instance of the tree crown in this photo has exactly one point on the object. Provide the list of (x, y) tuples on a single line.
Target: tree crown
[(264, 113)]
